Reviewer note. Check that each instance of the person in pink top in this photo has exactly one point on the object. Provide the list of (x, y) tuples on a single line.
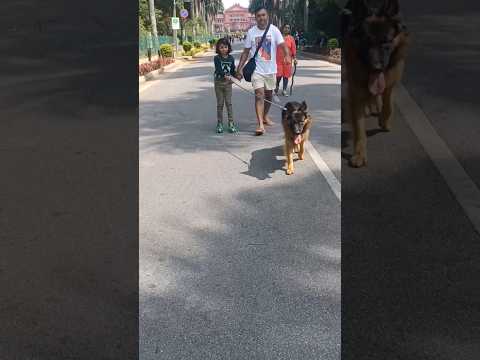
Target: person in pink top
[(284, 71)]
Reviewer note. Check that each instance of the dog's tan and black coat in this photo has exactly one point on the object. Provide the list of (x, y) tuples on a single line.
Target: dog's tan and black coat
[(375, 43), (296, 124)]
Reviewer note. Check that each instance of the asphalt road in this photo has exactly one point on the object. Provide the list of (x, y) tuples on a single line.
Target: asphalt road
[(68, 184), (409, 252), (237, 259)]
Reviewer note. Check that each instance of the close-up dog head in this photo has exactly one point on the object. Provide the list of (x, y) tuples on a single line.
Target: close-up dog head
[(296, 117), (375, 28)]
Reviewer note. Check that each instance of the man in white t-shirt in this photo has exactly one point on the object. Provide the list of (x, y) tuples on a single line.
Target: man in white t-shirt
[(264, 78)]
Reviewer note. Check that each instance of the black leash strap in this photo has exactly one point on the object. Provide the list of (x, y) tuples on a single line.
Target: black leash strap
[(293, 76)]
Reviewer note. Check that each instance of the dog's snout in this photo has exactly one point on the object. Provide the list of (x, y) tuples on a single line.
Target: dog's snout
[(298, 128)]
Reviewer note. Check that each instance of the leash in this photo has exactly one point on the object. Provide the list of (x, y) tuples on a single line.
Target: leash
[(236, 82), (293, 76)]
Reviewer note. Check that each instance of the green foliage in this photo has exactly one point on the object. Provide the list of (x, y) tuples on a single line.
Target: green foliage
[(197, 44), (325, 16), (213, 7), (166, 50), (161, 8), (187, 46), (143, 15), (288, 15), (332, 43), (142, 30)]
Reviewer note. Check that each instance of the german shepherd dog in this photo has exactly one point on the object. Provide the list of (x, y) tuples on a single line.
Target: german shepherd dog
[(296, 127), (374, 49)]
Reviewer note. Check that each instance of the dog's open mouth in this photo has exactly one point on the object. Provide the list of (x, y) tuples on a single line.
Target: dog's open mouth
[(376, 83), (297, 139)]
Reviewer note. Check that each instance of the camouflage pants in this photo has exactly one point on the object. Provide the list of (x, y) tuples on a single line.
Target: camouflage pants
[(223, 91)]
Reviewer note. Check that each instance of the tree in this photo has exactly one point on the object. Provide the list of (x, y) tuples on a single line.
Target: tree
[(144, 22), (325, 16), (212, 8), (272, 6)]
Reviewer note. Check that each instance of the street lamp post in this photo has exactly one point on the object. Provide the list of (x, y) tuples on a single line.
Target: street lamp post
[(175, 41)]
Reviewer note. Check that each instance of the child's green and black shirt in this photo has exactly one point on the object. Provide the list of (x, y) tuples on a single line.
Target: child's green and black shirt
[(224, 66)]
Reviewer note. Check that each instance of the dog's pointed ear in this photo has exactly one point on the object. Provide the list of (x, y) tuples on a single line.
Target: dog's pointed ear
[(391, 8), (303, 106)]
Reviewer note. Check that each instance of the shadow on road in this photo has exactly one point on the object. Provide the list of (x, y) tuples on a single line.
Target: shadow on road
[(170, 125), (251, 288), (264, 162)]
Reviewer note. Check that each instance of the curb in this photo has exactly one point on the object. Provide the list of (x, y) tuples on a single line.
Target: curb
[(180, 61), (152, 75)]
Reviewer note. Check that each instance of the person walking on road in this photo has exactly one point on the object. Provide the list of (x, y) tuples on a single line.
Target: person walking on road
[(284, 71), (263, 78), (224, 66)]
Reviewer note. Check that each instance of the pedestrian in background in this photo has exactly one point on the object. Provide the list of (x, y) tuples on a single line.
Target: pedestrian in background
[(284, 70), (297, 38), (224, 67)]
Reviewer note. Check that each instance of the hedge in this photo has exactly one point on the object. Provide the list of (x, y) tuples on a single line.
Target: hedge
[(166, 50), (187, 46), (332, 43)]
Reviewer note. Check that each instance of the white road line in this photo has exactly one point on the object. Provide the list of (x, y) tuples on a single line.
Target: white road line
[(461, 185), (325, 170)]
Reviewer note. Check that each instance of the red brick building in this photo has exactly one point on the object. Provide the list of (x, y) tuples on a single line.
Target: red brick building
[(235, 18)]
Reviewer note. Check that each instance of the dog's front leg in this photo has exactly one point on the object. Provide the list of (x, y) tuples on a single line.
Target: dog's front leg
[(359, 157), (289, 159), (301, 153), (386, 115)]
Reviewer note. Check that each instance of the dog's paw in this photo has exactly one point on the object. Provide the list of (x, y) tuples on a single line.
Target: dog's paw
[(358, 160), (289, 171), (301, 156)]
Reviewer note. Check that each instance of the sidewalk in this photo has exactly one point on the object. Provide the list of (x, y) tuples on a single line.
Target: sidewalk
[(178, 63)]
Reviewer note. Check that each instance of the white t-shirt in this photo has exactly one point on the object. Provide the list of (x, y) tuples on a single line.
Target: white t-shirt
[(267, 55)]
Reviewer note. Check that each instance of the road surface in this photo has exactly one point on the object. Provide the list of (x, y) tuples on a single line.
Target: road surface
[(409, 250), (237, 259)]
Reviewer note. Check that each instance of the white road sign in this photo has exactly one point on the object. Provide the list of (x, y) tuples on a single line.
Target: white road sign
[(175, 23)]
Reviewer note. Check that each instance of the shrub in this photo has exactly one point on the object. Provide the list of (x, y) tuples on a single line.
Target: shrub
[(166, 50), (332, 43), (197, 44), (187, 46), (212, 42), (147, 67)]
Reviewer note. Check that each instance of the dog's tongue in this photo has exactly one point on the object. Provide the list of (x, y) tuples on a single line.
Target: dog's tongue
[(377, 83), (298, 139)]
